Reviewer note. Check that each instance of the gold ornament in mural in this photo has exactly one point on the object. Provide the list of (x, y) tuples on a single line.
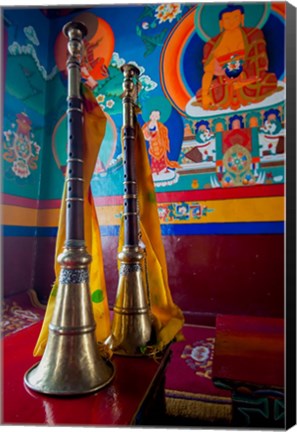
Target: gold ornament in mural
[(195, 184), (237, 162), (20, 148)]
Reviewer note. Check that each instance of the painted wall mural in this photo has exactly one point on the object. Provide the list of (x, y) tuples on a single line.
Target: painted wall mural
[(149, 24), (26, 79), (217, 71), (211, 94), (19, 147)]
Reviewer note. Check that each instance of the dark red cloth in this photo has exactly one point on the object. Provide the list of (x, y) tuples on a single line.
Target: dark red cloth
[(190, 369)]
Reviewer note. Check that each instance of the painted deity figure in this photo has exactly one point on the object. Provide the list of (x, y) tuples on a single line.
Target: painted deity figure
[(157, 135), (206, 143), (235, 65), (270, 135), (92, 68)]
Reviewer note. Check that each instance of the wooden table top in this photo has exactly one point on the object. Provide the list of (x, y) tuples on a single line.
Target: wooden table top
[(116, 404), (249, 350)]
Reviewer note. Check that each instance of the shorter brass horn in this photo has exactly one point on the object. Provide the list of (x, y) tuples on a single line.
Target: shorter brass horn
[(72, 363), (132, 326)]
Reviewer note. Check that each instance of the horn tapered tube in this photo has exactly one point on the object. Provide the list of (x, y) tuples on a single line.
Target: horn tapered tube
[(72, 363), (132, 321)]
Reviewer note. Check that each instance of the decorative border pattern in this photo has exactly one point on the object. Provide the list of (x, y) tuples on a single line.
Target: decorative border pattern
[(129, 268), (181, 229), (73, 276)]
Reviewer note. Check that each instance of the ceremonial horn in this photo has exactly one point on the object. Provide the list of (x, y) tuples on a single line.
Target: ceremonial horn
[(72, 363), (132, 325)]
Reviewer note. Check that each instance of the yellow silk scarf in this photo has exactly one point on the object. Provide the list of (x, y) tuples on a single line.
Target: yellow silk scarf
[(93, 134), (169, 318)]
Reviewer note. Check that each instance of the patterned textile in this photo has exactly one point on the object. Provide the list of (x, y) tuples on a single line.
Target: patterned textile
[(19, 312), (189, 389)]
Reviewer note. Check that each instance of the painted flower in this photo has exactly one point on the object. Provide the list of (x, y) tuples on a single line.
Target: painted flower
[(145, 25), (182, 209), (102, 107), (163, 212), (20, 168), (197, 212), (100, 98), (167, 12), (110, 103)]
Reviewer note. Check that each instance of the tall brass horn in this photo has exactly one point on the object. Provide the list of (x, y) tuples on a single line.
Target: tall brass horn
[(72, 363), (132, 325)]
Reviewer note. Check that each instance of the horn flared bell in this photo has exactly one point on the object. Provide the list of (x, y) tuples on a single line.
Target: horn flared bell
[(72, 363), (132, 326)]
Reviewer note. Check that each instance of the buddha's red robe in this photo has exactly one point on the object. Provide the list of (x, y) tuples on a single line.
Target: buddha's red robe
[(252, 85)]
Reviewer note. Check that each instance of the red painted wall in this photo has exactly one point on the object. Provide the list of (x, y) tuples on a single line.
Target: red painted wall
[(18, 264), (240, 274), (208, 274)]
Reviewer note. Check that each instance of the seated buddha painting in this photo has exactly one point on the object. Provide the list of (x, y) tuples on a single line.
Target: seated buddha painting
[(236, 56), (235, 65)]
